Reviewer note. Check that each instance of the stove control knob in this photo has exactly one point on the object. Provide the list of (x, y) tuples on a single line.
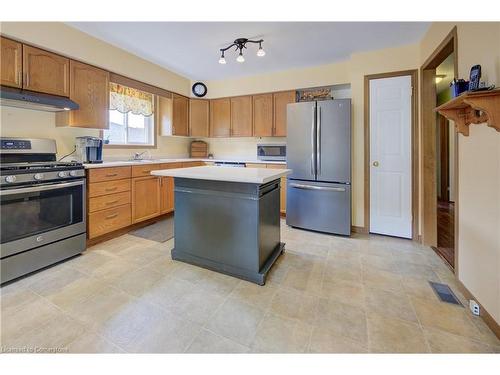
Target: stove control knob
[(10, 179), (62, 174), (38, 176), (73, 173)]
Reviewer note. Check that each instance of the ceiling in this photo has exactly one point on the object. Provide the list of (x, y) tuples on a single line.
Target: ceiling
[(191, 49)]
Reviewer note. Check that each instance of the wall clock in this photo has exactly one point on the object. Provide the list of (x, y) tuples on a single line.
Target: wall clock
[(199, 89)]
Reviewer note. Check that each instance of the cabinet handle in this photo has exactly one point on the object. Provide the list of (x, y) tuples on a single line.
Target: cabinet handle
[(111, 189), (146, 171), (111, 216), (112, 202), (112, 175)]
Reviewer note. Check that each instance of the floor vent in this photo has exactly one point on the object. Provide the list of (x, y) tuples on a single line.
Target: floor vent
[(444, 293)]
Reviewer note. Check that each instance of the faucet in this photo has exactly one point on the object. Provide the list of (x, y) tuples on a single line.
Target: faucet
[(138, 155)]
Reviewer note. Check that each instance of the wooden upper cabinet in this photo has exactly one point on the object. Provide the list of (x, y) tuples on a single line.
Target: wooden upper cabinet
[(281, 99), (198, 117), (90, 89), (180, 115), (241, 116), (165, 115), (220, 117), (45, 71), (263, 115), (12, 64)]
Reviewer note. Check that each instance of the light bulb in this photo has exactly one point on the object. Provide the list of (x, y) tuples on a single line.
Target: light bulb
[(222, 60), (261, 52), (240, 58)]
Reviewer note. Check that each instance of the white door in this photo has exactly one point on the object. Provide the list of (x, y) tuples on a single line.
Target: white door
[(390, 156)]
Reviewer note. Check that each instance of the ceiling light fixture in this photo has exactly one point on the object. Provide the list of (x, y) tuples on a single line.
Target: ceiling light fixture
[(240, 43)]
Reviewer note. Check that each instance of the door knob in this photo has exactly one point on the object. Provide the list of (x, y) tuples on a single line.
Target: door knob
[(375, 163)]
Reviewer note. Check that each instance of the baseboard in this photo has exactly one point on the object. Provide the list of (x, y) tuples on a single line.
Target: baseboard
[(356, 229), (488, 319)]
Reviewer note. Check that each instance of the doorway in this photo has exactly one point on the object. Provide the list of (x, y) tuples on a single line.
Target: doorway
[(440, 150), (391, 187)]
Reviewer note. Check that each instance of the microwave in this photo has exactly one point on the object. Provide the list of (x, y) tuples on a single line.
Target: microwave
[(271, 151)]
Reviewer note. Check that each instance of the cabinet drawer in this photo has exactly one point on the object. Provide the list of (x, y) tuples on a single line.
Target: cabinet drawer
[(108, 174), (190, 164), (255, 165), (109, 201), (144, 170), (170, 165), (106, 221), (109, 187)]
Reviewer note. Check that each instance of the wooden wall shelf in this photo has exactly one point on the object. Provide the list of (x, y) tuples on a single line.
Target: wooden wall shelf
[(473, 108)]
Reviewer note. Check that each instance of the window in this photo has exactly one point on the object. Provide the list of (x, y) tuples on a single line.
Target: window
[(131, 117)]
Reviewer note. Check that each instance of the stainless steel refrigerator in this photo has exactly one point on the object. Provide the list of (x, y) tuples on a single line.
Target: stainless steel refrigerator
[(319, 155)]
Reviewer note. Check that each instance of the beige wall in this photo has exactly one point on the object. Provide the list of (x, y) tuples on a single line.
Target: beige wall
[(71, 42), (478, 167), (351, 71)]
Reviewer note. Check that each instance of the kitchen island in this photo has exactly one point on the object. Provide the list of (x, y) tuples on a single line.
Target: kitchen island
[(228, 219)]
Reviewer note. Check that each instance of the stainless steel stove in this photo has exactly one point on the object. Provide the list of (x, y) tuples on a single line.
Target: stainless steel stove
[(42, 208)]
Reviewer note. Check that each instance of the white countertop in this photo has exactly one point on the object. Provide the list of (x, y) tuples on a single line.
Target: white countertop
[(124, 163), (230, 174)]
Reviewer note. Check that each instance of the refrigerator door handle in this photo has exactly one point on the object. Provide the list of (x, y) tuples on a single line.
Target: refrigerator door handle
[(318, 141), (313, 123), (313, 187)]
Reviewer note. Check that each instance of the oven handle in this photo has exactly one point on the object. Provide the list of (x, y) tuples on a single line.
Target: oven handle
[(41, 188)]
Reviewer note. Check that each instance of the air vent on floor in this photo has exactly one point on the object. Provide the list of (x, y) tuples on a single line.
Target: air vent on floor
[(444, 293)]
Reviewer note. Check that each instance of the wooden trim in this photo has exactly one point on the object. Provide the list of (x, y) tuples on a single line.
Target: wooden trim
[(483, 313), (125, 230), (428, 139), (130, 82), (360, 230), (414, 147)]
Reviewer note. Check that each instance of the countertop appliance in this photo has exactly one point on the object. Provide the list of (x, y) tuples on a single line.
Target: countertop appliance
[(271, 151), (42, 207), (89, 149), (319, 154)]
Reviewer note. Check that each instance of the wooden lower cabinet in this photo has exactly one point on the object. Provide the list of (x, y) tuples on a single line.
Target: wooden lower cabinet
[(145, 198), (105, 221), (283, 187), (166, 195)]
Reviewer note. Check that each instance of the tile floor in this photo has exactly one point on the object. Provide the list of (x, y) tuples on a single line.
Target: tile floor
[(326, 294)]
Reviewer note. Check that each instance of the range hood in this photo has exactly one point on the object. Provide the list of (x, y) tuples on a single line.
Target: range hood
[(12, 97)]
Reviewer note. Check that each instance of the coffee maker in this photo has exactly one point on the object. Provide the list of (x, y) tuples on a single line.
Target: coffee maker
[(89, 149)]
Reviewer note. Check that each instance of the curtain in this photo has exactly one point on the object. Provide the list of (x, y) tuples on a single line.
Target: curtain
[(127, 99)]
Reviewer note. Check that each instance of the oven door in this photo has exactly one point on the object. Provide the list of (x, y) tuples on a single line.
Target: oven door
[(37, 215)]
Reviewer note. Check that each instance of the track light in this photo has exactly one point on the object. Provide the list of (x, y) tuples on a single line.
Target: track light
[(241, 43), (222, 60), (240, 58), (261, 52)]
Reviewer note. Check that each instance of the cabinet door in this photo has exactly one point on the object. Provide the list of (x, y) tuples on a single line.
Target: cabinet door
[(12, 64), (198, 117), (167, 194), (45, 71), (180, 115), (145, 198), (241, 116), (165, 115), (263, 115), (220, 117), (90, 89), (283, 186), (281, 99)]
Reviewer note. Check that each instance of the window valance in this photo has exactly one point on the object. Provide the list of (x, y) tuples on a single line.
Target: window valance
[(127, 99)]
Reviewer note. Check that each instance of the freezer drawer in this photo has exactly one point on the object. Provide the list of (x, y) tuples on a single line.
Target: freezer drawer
[(323, 207)]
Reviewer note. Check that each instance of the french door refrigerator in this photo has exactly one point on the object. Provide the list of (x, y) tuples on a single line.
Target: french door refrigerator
[(319, 155)]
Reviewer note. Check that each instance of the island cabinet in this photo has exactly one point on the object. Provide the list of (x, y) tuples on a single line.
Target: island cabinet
[(241, 116), (199, 118), (263, 123), (12, 64), (89, 87), (280, 102), (45, 71), (220, 117), (109, 200)]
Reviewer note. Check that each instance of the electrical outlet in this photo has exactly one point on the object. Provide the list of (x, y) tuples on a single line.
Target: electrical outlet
[(474, 307)]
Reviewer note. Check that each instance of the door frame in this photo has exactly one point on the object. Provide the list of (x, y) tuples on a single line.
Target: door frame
[(413, 73), (428, 136)]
